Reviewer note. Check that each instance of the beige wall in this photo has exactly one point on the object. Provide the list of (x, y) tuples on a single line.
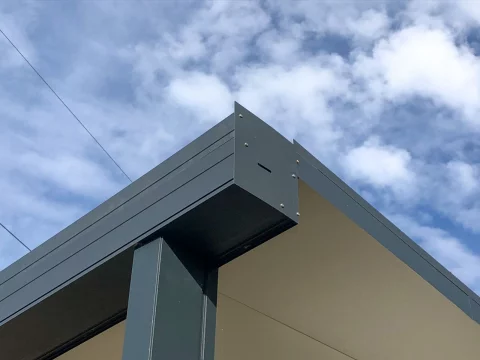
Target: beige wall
[(326, 285), (242, 333), (108, 345)]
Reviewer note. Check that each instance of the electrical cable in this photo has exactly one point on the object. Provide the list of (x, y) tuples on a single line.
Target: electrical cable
[(70, 111), (20, 241), (64, 104)]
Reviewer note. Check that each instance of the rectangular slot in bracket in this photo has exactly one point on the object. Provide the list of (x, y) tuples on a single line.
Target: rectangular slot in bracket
[(265, 168)]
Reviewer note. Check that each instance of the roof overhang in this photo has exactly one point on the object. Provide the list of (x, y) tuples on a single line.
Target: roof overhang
[(227, 192)]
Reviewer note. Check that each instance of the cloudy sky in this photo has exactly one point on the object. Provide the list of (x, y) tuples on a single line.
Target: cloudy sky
[(387, 94)]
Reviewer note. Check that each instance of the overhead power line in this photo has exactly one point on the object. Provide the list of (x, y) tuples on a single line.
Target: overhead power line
[(64, 104), (16, 238)]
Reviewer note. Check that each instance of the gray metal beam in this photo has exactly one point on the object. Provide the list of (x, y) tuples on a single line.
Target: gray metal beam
[(171, 306)]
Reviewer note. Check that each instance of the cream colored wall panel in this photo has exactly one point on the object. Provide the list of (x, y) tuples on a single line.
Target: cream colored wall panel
[(107, 345), (243, 334), (331, 280)]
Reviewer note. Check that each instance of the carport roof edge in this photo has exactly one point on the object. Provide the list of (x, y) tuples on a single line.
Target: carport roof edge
[(218, 169)]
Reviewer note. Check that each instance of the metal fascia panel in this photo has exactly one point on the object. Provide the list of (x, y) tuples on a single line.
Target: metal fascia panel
[(265, 163)]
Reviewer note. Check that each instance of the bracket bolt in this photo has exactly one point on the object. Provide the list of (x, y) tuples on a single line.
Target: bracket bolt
[(294, 176), (298, 214), (246, 144), (282, 206), (240, 115), (298, 161)]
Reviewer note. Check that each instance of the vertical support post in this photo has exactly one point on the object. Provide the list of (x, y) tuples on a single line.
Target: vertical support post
[(171, 307)]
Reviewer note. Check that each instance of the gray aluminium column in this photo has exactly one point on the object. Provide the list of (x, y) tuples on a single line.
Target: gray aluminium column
[(171, 306)]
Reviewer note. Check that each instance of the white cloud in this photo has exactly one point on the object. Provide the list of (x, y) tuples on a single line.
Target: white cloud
[(33, 213), (453, 190), (459, 15), (73, 173), (295, 99), (469, 217), (359, 20), (467, 12), (209, 98), (14, 26), (463, 177), (219, 32), (418, 61), (281, 47), (371, 24), (383, 166)]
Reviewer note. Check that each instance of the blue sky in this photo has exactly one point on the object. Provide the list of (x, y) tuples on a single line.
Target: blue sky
[(385, 94)]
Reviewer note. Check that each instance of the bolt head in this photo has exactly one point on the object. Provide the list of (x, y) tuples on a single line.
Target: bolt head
[(298, 214), (246, 144), (282, 206), (298, 161), (294, 176), (240, 115)]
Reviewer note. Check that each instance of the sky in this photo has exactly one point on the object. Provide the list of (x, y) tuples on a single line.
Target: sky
[(386, 94)]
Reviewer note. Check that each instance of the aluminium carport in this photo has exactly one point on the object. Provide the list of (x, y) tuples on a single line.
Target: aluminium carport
[(241, 245)]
